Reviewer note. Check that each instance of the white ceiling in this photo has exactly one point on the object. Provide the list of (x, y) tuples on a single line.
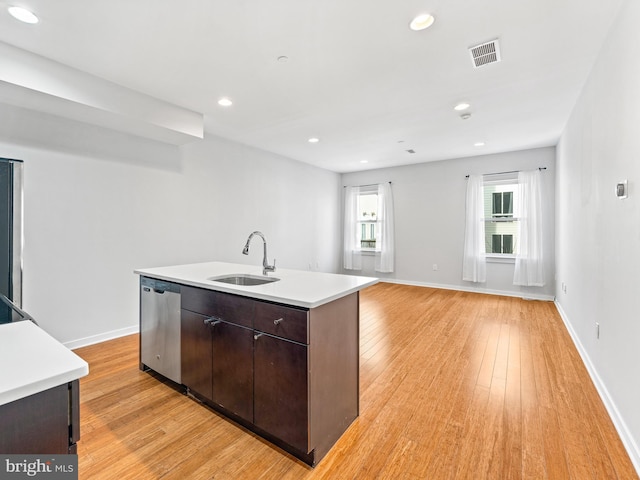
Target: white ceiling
[(357, 77)]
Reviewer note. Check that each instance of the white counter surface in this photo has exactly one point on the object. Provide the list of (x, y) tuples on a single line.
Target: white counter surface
[(295, 287), (33, 361)]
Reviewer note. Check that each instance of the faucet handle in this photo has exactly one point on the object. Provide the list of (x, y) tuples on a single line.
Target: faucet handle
[(269, 268)]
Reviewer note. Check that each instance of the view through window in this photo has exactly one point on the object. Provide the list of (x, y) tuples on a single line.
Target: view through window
[(501, 226), (367, 217)]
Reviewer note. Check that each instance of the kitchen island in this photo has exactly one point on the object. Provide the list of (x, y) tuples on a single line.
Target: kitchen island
[(39, 392), (280, 358)]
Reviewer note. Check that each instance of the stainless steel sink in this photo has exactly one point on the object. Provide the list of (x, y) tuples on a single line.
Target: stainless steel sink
[(243, 279)]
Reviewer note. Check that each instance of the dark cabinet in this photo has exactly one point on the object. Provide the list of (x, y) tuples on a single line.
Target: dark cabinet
[(281, 400), (217, 361), (43, 423), (218, 305), (288, 373), (217, 346), (196, 353), (285, 322), (233, 368)]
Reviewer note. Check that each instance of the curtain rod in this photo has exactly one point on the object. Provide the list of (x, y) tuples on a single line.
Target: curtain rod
[(368, 185), (503, 173)]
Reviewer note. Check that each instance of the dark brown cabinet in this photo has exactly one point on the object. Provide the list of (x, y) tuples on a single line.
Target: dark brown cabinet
[(288, 373), (281, 403), (233, 368), (43, 423), (196, 353)]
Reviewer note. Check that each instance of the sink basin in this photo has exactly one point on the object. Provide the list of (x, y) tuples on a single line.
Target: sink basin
[(243, 279)]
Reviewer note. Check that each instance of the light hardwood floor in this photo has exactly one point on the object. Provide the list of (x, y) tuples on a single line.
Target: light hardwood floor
[(453, 385)]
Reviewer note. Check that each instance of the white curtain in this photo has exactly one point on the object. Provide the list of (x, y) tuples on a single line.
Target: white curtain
[(474, 267), (384, 229), (351, 249), (529, 269)]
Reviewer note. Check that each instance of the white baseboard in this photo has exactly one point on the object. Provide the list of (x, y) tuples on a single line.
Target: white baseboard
[(505, 293), (625, 435), (102, 337)]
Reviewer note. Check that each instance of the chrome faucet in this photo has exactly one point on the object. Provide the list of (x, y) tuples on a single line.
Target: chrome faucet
[(266, 268)]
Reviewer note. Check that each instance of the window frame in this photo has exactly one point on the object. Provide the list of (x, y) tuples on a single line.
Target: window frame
[(372, 224), (501, 214), (504, 179)]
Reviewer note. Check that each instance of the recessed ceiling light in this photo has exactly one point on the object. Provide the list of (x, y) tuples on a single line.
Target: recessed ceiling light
[(461, 106), (23, 14), (225, 102), (364, 161), (478, 144), (313, 140), (421, 22), (283, 59)]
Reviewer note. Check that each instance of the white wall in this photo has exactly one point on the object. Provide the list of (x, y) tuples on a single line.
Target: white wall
[(429, 204), (598, 235), (99, 204)]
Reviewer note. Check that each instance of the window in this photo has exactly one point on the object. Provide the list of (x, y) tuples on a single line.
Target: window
[(368, 226), (505, 212), (367, 218), (501, 244), (502, 203), (501, 226)]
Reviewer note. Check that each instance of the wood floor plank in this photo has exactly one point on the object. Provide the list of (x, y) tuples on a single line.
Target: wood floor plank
[(533, 462), (453, 385), (512, 440)]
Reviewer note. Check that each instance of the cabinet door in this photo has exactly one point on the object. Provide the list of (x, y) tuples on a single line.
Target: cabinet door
[(280, 389), (233, 368), (196, 353), (37, 424)]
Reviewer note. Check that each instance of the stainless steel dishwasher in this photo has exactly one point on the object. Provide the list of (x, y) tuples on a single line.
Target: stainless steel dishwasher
[(160, 327)]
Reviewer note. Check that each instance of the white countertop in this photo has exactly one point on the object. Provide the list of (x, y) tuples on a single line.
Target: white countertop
[(295, 287), (32, 361)]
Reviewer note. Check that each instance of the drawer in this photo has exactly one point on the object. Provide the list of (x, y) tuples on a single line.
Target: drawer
[(227, 307), (285, 322)]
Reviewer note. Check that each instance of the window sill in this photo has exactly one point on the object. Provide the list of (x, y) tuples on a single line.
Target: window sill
[(366, 252), (500, 258)]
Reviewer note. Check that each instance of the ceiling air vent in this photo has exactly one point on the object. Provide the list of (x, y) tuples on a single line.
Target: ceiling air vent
[(485, 53)]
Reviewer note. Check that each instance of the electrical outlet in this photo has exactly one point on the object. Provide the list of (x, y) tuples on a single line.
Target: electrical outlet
[(597, 330), (435, 267), (564, 287)]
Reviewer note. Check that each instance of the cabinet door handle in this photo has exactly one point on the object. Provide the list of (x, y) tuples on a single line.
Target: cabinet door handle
[(277, 321), (212, 321), (257, 336)]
